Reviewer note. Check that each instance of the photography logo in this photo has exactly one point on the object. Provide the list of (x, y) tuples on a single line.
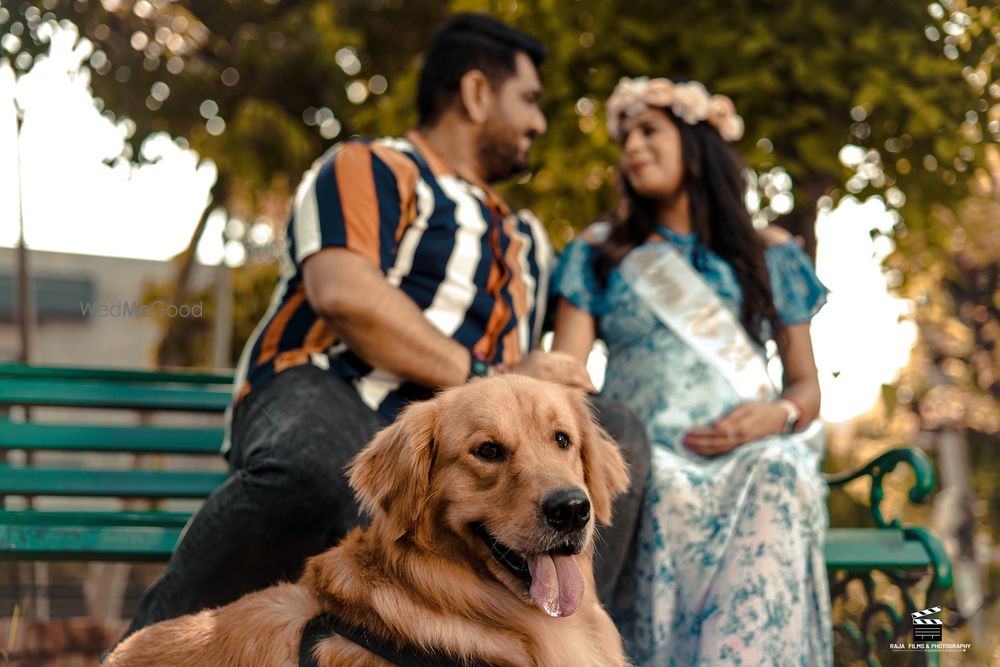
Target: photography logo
[(926, 629)]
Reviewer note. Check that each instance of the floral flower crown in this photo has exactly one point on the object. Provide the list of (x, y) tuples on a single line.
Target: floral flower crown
[(691, 102)]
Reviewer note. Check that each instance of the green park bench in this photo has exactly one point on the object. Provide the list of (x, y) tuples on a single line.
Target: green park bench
[(910, 557)]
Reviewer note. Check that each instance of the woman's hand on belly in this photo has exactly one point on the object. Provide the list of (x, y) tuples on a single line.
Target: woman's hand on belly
[(746, 423)]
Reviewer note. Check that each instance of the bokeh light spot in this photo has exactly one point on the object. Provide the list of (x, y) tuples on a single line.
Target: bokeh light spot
[(357, 92), (215, 126)]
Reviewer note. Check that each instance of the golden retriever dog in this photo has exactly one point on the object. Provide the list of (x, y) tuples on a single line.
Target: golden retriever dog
[(483, 502)]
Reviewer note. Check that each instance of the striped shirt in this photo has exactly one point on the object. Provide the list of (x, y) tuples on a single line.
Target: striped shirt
[(478, 270)]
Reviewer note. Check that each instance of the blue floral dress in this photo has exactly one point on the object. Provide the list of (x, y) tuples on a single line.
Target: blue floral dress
[(729, 566)]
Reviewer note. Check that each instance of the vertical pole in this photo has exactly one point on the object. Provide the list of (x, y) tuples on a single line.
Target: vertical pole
[(25, 300), (25, 295), (955, 511), (223, 327), (35, 576)]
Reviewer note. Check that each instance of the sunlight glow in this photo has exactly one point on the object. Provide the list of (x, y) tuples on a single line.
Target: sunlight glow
[(80, 192), (863, 336)]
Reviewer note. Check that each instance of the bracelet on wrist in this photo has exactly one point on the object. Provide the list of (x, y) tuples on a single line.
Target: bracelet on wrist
[(478, 366), (794, 414), (800, 423)]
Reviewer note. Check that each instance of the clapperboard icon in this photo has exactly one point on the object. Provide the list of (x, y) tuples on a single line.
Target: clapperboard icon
[(926, 629)]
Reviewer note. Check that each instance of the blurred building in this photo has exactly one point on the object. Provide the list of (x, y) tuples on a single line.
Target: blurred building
[(69, 292)]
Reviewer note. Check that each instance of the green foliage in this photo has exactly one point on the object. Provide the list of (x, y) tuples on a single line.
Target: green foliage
[(261, 65), (797, 70)]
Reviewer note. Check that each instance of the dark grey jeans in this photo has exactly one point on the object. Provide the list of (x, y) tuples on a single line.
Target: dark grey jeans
[(287, 497)]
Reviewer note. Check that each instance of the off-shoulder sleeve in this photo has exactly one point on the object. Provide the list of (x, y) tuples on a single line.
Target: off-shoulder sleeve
[(798, 294), (576, 281)]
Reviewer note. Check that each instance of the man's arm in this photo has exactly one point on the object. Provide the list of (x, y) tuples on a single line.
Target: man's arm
[(379, 322), (385, 328)]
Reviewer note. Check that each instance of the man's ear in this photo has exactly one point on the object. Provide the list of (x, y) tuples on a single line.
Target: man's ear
[(476, 95), (392, 474)]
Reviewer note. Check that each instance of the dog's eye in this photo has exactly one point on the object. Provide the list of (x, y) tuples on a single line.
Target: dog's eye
[(490, 451), (562, 440)]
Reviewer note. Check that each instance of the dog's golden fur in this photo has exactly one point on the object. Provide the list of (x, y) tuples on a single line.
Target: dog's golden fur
[(420, 573)]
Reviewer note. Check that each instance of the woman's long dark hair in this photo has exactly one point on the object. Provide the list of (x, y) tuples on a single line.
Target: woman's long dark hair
[(715, 181)]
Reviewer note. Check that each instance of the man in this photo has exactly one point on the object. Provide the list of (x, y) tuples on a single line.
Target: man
[(406, 272)]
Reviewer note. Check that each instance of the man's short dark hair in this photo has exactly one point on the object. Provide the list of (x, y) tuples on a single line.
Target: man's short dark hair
[(467, 42)]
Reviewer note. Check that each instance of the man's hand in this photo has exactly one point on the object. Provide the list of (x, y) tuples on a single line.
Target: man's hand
[(555, 367), (748, 422)]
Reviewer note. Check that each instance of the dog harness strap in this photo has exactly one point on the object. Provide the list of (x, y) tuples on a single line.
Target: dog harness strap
[(325, 625)]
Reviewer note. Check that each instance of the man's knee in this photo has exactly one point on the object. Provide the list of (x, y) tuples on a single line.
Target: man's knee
[(303, 412), (298, 475)]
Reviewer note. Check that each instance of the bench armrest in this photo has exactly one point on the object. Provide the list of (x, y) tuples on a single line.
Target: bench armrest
[(884, 617), (923, 471), (940, 562)]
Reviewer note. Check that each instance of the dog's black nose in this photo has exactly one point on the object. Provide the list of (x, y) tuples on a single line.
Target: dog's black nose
[(567, 510)]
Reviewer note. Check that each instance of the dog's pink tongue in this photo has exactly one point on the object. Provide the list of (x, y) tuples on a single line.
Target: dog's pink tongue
[(556, 584)]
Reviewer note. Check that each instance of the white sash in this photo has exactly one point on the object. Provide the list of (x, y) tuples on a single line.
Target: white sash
[(682, 300)]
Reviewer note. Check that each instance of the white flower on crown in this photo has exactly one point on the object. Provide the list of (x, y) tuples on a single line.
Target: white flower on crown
[(731, 128), (660, 92), (631, 91), (720, 106), (722, 115), (690, 101)]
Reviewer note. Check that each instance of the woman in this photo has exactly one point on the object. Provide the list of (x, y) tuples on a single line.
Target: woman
[(684, 292)]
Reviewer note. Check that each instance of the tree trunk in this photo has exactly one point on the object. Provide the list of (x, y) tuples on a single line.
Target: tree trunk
[(169, 351)]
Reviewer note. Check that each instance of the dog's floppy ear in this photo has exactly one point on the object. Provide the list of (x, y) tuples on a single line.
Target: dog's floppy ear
[(604, 469), (392, 474)]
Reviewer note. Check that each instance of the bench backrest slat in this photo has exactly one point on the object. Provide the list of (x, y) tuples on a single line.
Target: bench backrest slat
[(108, 483), (114, 543), (92, 438), (10, 370), (121, 395), (44, 519)]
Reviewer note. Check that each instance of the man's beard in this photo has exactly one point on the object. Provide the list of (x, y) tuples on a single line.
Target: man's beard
[(498, 152)]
